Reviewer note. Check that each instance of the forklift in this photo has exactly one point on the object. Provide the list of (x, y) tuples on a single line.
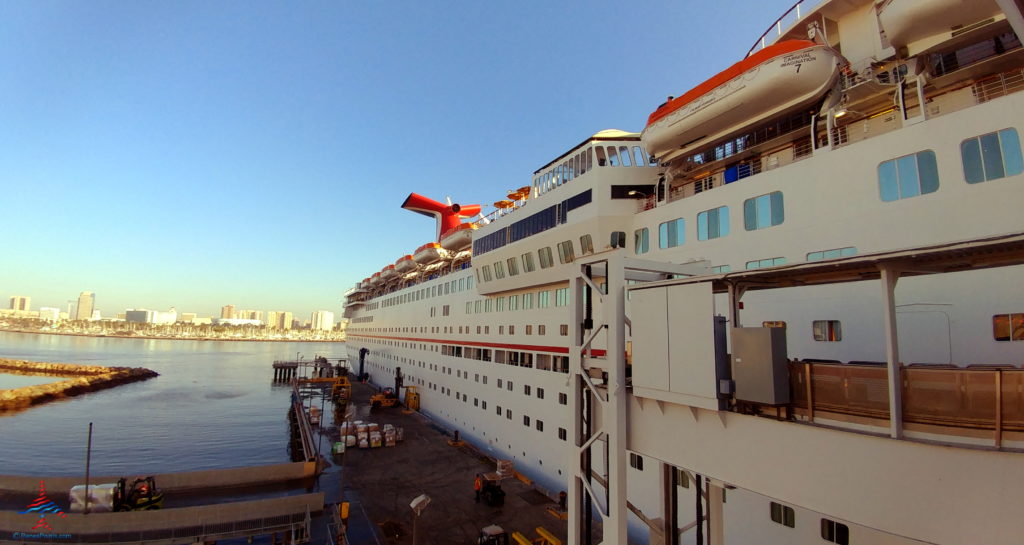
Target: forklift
[(492, 535)]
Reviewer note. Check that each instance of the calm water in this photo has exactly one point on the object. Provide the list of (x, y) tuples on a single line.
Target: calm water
[(212, 406), (20, 381)]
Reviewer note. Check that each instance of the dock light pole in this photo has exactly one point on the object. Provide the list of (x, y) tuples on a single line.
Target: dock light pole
[(88, 458), (419, 503)]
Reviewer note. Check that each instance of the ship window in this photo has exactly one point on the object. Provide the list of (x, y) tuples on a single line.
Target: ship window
[(908, 176), (713, 223), (529, 329), (586, 245), (1008, 327), (563, 398), (526, 389), (721, 269), (509, 383), (527, 301), (469, 282), (486, 272), (540, 425), (624, 156), (563, 330), (469, 307), (601, 160), (562, 434), (565, 254), (561, 297), (499, 304), (483, 405), (508, 414), (541, 329), (641, 241), (445, 310), (832, 254), (513, 266), (528, 265), (783, 514), (540, 393), (543, 299), (769, 262), (991, 156), (613, 158), (835, 532), (462, 284), (526, 420), (487, 305), (546, 260), (478, 306), (499, 270), (513, 302), (497, 409), (774, 323), (502, 361), (671, 233), (827, 330), (638, 156), (763, 211), (636, 461)]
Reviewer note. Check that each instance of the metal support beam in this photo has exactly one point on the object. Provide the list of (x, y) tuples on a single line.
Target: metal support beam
[(616, 524), (1013, 9), (716, 526), (892, 351), (670, 504)]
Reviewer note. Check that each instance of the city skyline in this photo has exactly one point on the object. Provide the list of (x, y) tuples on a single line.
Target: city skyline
[(195, 153)]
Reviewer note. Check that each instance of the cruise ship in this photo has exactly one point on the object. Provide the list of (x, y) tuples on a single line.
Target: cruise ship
[(788, 310)]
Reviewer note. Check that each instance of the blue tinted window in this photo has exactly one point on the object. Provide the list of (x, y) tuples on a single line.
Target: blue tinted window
[(671, 233), (764, 211), (713, 223), (991, 156), (908, 176), (641, 241)]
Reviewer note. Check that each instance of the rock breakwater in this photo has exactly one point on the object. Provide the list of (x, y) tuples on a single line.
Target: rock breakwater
[(82, 379)]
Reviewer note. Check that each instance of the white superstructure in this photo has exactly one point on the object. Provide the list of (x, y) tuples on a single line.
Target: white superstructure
[(596, 332)]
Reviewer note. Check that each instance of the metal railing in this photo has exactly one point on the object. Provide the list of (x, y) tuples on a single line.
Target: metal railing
[(791, 17), (968, 398), (998, 85)]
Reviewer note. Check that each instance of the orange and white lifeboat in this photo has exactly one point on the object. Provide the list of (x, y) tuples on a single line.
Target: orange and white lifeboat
[(520, 194), (405, 264), (778, 78), (430, 252), (387, 273), (458, 238), (374, 279), (907, 21)]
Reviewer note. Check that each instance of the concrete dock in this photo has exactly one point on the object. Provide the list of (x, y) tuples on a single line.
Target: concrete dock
[(380, 483)]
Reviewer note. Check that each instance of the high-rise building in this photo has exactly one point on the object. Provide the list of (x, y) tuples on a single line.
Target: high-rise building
[(228, 311), (50, 314), (86, 304), (21, 302), (323, 320), (272, 319), (284, 320)]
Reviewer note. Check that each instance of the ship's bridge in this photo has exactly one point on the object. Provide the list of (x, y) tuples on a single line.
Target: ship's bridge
[(607, 148)]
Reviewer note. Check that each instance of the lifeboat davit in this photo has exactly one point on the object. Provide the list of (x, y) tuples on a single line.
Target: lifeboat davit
[(430, 252), (405, 264), (458, 238), (387, 273), (780, 77), (374, 279), (906, 21)]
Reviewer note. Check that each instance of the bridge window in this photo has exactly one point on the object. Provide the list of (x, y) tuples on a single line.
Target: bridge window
[(763, 211), (721, 269), (908, 176), (827, 330), (586, 245), (546, 260), (832, 254), (783, 514), (613, 157), (513, 266), (641, 241), (624, 156), (499, 270), (565, 253), (671, 233), (991, 156), (1008, 327), (713, 223), (601, 159), (835, 532), (528, 265), (638, 156)]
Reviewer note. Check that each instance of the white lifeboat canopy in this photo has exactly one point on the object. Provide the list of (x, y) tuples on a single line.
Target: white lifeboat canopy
[(430, 252), (458, 238)]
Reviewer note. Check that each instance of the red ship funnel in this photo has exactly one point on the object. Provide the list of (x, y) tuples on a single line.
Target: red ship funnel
[(447, 216)]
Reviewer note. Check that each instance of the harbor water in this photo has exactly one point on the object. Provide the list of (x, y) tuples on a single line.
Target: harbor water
[(213, 406)]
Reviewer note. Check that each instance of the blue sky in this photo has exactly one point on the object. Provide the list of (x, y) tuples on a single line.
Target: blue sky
[(197, 154)]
